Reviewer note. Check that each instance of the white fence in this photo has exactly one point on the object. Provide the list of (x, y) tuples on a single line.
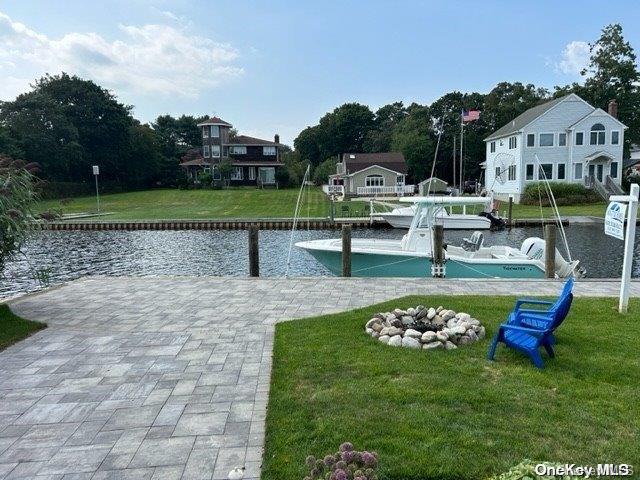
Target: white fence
[(398, 190)]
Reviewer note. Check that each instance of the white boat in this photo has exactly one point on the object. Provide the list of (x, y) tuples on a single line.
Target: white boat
[(413, 255)]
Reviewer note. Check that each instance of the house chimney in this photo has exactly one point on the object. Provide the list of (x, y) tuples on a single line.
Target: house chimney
[(276, 138), (613, 108)]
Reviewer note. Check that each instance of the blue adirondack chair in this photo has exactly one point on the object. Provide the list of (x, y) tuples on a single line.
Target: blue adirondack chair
[(528, 330)]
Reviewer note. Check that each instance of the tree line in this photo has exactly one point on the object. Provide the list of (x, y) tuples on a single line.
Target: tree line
[(414, 129), (66, 124)]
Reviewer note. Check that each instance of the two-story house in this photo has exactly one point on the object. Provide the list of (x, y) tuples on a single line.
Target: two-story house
[(254, 160), (563, 140)]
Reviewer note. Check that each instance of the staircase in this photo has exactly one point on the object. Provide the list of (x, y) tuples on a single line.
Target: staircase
[(604, 189)]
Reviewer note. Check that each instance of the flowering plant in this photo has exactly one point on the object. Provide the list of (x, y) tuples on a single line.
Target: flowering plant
[(345, 464)]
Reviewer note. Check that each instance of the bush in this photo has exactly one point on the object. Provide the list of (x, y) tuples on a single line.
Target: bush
[(321, 172), (345, 464), (564, 193)]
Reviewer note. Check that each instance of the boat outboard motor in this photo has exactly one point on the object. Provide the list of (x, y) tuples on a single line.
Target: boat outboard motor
[(534, 248), (497, 223), (474, 243)]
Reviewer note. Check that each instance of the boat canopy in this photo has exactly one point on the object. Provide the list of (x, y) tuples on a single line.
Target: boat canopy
[(448, 201)]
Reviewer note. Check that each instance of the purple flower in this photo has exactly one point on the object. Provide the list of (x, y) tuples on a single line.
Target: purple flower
[(348, 456), (341, 465), (341, 475), (329, 460), (369, 459), (346, 447), (310, 461)]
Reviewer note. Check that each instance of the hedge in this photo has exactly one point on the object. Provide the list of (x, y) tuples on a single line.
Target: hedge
[(564, 193)]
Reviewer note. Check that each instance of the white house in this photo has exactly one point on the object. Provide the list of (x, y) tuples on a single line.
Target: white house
[(574, 142)]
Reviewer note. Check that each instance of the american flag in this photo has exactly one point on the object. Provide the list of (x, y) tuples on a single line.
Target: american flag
[(470, 115)]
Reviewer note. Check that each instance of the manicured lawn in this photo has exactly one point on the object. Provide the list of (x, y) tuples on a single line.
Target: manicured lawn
[(533, 211), (14, 328), (198, 204), (454, 414)]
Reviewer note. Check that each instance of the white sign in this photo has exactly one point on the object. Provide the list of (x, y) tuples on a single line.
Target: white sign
[(614, 220), (96, 170)]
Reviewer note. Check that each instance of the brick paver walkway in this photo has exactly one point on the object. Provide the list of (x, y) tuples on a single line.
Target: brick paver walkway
[(167, 378)]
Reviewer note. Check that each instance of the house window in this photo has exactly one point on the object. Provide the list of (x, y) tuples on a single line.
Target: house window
[(252, 173), (205, 151), (513, 142), (492, 147), (512, 172), (597, 135), (562, 139), (577, 171), (580, 139), (215, 131), (615, 137), (374, 181), (497, 172), (400, 180), (235, 150), (216, 172), (215, 150), (205, 132), (531, 140), (613, 170), (269, 151), (547, 169), (561, 171), (546, 139), (529, 171), (236, 173), (267, 175)]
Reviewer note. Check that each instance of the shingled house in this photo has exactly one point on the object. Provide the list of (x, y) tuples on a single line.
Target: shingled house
[(369, 174), (254, 160)]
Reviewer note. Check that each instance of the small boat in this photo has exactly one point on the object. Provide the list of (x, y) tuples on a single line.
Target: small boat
[(413, 255), (401, 217)]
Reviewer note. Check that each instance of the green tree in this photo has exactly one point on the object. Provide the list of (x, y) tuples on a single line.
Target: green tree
[(17, 199), (321, 172), (413, 136)]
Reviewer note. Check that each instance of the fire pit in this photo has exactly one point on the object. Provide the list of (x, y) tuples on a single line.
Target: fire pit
[(426, 328)]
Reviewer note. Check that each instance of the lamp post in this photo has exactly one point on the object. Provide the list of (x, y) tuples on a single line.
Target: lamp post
[(96, 172)]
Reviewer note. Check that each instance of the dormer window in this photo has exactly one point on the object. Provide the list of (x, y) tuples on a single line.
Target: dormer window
[(215, 131), (598, 135)]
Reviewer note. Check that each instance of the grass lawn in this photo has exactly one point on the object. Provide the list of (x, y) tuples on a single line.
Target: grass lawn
[(198, 204), (533, 211), (454, 414), (13, 328)]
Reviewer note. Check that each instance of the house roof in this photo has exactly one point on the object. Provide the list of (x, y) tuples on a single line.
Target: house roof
[(598, 111), (215, 121), (195, 161), (245, 140), (525, 118), (630, 162), (354, 162)]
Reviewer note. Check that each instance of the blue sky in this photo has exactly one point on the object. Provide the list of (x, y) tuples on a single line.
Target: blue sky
[(276, 67)]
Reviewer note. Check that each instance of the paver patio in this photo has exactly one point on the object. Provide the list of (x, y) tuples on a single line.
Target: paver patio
[(168, 378)]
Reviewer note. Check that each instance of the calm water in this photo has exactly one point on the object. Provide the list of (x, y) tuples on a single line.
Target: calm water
[(68, 255)]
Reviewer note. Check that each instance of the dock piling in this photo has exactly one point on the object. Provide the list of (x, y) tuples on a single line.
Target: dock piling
[(550, 250), (438, 251), (346, 250), (510, 215), (254, 255)]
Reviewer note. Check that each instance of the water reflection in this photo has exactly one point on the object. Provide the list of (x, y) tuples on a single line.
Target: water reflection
[(69, 255)]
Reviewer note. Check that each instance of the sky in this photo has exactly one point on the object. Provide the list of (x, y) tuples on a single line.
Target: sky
[(278, 66)]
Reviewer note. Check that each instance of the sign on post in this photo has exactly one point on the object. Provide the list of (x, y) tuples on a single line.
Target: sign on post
[(614, 225), (614, 220), (96, 172)]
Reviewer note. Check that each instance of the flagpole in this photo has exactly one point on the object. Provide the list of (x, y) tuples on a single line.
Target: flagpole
[(461, 142), (454, 161)]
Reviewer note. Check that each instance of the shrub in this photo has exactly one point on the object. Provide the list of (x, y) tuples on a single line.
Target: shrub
[(345, 464), (527, 471), (321, 172), (564, 193)]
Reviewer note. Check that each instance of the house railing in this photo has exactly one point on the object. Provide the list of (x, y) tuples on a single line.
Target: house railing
[(612, 186), (399, 190), (333, 189)]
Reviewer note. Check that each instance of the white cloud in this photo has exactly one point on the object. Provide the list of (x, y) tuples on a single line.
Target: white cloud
[(148, 59), (575, 57)]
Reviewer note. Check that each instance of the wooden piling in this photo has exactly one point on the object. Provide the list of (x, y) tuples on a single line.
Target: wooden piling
[(438, 251), (510, 215), (254, 255), (550, 250), (346, 250)]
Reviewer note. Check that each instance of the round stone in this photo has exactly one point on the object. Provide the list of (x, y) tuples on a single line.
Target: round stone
[(428, 337), (384, 338), (412, 333), (410, 342), (395, 341), (450, 346), (432, 346)]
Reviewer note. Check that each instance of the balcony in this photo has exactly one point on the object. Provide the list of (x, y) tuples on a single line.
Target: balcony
[(397, 190)]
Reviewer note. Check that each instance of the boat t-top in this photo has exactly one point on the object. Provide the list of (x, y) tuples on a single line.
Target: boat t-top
[(413, 255)]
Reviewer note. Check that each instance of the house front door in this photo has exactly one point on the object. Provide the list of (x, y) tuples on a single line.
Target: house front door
[(592, 170), (599, 171)]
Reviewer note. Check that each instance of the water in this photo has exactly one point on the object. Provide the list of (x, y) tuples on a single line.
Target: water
[(65, 256)]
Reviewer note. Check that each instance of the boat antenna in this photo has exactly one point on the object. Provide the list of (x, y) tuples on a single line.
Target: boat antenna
[(295, 218), (555, 206)]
